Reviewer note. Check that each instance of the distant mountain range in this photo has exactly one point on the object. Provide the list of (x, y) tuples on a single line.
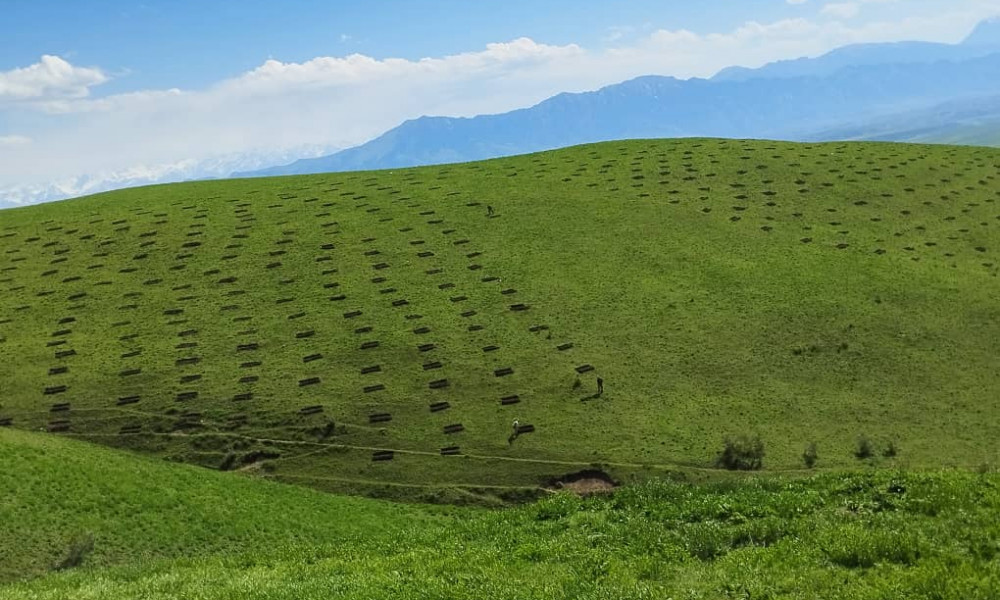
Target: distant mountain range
[(866, 91)]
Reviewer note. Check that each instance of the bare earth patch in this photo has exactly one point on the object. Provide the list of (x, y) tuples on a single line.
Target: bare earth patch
[(585, 483)]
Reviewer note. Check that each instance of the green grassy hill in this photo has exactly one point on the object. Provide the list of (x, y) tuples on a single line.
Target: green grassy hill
[(379, 332), (57, 493), (163, 530)]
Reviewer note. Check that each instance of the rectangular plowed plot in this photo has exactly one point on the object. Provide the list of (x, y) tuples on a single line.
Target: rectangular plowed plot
[(369, 345), (450, 451), (426, 347), (382, 455), (475, 328), (537, 328), (584, 369), (183, 362), (249, 347), (126, 400), (245, 396), (360, 330), (186, 396), (190, 378), (432, 365), (311, 358), (563, 347), (490, 348), (503, 372), (519, 307), (54, 389), (378, 387), (309, 381), (398, 303), (57, 427), (508, 400), (371, 369), (380, 266), (469, 313), (130, 429), (338, 298), (250, 364), (434, 272), (379, 418), (315, 409), (454, 428), (249, 379), (59, 407), (438, 384), (58, 370), (459, 298), (304, 334), (439, 406), (6, 421), (422, 330), (525, 429), (352, 314)]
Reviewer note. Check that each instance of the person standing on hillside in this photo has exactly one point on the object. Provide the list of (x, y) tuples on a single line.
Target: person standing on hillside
[(489, 210), (600, 386)]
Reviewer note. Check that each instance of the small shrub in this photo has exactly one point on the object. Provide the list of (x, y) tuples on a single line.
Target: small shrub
[(228, 462), (865, 448), (742, 453), (78, 550), (891, 450), (810, 456)]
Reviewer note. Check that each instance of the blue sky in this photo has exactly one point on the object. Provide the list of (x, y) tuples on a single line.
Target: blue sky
[(186, 43), (105, 89)]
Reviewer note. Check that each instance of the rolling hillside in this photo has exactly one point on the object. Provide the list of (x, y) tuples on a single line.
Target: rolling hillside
[(157, 530), (380, 332)]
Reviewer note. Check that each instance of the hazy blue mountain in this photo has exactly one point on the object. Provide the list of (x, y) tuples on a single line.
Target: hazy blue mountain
[(984, 39), (987, 33), (968, 121), (860, 84), (859, 55)]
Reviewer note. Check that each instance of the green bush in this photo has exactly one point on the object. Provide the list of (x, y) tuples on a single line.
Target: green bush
[(810, 456), (865, 448), (742, 453)]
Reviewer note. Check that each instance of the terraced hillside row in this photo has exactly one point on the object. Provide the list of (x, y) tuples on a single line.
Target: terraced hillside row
[(384, 331)]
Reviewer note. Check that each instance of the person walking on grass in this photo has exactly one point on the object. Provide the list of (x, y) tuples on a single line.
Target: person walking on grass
[(600, 386), (489, 210)]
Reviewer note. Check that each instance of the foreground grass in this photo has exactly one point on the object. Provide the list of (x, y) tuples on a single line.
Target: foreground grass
[(878, 534), (54, 493)]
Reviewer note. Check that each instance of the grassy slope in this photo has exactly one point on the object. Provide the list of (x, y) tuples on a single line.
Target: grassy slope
[(55, 491), (677, 268), (213, 535)]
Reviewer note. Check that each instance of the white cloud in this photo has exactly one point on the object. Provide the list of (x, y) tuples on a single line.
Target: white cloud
[(50, 78), (341, 101), (14, 140), (841, 10)]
